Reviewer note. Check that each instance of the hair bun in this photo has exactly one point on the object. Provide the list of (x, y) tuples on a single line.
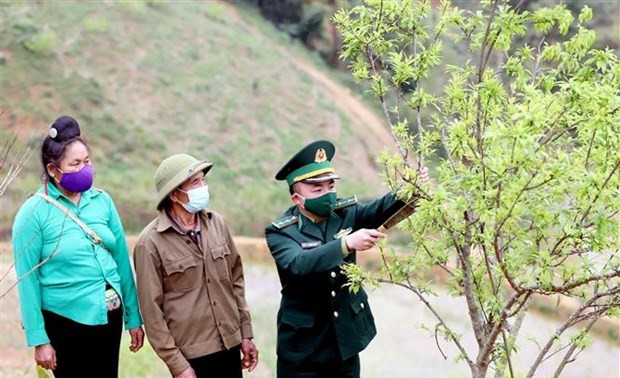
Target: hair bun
[(64, 128)]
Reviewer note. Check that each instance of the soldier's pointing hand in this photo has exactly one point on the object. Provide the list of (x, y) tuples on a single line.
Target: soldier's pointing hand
[(363, 239)]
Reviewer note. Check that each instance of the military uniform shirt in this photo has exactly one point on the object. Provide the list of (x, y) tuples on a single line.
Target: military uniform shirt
[(319, 319)]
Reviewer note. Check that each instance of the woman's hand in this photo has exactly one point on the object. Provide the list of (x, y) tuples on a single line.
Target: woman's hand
[(45, 356), (137, 339)]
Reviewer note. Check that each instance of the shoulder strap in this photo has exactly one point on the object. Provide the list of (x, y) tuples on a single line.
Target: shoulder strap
[(345, 202), (71, 215), (285, 221)]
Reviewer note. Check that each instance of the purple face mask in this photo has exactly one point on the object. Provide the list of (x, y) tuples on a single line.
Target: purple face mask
[(78, 182)]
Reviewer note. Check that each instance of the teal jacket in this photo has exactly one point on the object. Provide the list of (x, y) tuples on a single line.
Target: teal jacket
[(319, 319), (62, 271)]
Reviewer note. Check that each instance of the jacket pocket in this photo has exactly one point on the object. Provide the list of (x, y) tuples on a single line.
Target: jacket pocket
[(363, 320), (220, 251), (182, 274), (358, 306), (221, 256), (297, 319), (296, 332)]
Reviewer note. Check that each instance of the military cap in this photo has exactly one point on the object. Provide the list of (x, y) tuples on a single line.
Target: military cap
[(173, 171), (311, 164)]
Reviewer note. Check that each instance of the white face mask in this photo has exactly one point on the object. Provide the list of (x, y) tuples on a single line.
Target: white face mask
[(198, 199)]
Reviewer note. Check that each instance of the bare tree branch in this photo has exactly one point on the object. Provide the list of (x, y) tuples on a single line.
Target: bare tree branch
[(566, 325)]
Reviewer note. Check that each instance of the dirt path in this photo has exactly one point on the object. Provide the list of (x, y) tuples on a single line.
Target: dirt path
[(339, 95), (255, 250), (401, 349)]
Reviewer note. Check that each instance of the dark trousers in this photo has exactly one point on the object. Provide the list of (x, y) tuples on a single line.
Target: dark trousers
[(349, 368), (223, 364), (84, 350)]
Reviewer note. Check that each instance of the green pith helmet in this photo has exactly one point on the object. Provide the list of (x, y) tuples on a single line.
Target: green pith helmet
[(173, 171), (311, 164)]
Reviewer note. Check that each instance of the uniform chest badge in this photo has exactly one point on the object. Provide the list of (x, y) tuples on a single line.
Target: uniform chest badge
[(343, 233), (308, 245)]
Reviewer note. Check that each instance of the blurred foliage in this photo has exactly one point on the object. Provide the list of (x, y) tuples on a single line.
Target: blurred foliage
[(292, 17), (43, 373), (307, 20)]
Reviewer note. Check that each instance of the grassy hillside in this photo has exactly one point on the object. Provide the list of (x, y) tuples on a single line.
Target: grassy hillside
[(147, 79)]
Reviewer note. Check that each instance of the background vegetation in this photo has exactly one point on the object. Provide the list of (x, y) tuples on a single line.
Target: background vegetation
[(222, 84)]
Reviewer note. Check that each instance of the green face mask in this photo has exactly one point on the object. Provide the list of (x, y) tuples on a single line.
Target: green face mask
[(322, 205)]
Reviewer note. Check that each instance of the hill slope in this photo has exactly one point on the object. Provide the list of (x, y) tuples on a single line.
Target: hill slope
[(149, 79)]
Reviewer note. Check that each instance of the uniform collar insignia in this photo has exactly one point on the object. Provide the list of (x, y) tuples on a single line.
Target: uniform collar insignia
[(307, 245), (343, 233)]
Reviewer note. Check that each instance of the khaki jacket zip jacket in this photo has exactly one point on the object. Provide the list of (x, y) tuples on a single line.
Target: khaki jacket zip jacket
[(192, 301)]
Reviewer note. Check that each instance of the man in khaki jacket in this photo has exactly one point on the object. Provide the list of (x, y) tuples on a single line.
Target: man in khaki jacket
[(190, 279)]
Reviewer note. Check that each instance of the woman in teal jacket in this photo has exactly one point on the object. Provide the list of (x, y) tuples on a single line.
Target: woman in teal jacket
[(76, 285)]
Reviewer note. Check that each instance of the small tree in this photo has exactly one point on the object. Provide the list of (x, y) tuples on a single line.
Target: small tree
[(527, 186)]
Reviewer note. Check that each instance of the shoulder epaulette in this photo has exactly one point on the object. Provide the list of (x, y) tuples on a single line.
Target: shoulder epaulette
[(345, 202), (285, 221)]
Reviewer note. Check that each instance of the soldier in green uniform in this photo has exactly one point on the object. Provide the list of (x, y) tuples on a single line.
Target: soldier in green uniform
[(322, 326)]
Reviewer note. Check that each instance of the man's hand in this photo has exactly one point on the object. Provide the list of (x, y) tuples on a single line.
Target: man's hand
[(137, 339), (45, 356), (363, 239), (250, 354), (423, 172), (187, 373)]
